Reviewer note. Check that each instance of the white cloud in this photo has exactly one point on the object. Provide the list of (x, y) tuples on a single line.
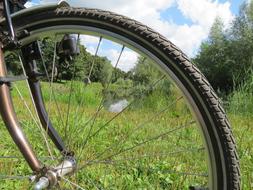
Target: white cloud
[(203, 12), (86, 39), (90, 42), (187, 36), (127, 60)]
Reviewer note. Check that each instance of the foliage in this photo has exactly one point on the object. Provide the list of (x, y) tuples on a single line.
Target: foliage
[(12, 63), (148, 79), (119, 74), (214, 60), (227, 56), (78, 67), (102, 70), (144, 73)]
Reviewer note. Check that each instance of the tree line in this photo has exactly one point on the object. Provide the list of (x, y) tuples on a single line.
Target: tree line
[(226, 57), (85, 66)]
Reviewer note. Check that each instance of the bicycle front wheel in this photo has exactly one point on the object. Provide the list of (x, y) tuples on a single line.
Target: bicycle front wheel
[(156, 124)]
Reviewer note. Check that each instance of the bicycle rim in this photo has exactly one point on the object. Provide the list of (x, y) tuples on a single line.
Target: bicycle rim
[(130, 160)]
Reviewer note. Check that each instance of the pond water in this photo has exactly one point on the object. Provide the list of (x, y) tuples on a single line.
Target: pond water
[(118, 106)]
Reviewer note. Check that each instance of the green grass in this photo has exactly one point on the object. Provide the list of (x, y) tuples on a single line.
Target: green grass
[(243, 132), (240, 109), (135, 169)]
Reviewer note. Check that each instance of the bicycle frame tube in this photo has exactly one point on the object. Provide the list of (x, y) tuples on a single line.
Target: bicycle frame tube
[(30, 66), (11, 122)]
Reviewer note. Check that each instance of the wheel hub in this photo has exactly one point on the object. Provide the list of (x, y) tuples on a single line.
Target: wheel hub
[(52, 176)]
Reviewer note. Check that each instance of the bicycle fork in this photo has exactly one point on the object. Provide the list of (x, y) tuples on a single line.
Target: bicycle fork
[(6, 106), (11, 122), (44, 177)]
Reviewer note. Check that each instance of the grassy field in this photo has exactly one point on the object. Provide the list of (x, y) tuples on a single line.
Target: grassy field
[(243, 132), (142, 148)]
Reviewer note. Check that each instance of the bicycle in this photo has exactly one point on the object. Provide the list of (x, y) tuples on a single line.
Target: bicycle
[(191, 129)]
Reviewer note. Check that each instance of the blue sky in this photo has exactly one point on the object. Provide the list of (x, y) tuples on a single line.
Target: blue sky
[(235, 4), (185, 22), (173, 13)]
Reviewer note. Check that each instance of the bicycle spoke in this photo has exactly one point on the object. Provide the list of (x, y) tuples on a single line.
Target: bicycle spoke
[(72, 183), (22, 158), (85, 85), (36, 121), (162, 135), (118, 114), (70, 92), (153, 155), (131, 121), (184, 173), (156, 155), (68, 108), (51, 85), (91, 181), (53, 94), (139, 127), (96, 53), (5, 177), (161, 171), (37, 116), (101, 104)]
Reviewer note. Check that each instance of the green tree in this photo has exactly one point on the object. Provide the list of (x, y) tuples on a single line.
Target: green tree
[(98, 69), (214, 60), (101, 69), (241, 43), (226, 58), (117, 74), (145, 76), (144, 73)]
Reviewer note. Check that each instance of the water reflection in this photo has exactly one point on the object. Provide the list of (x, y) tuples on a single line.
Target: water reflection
[(118, 106), (115, 101)]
